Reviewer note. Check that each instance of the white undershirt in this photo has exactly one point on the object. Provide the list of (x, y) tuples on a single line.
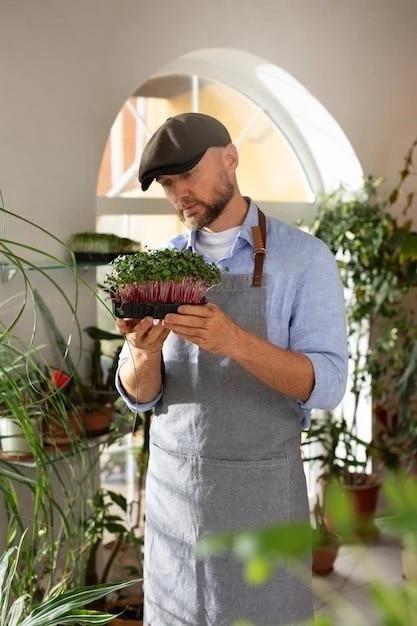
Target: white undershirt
[(216, 245)]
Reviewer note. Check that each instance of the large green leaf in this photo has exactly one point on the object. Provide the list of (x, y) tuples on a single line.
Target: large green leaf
[(61, 608), (16, 611)]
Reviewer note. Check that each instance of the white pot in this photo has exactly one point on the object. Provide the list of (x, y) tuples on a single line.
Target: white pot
[(12, 438)]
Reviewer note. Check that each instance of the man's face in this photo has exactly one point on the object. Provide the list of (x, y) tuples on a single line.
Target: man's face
[(200, 195)]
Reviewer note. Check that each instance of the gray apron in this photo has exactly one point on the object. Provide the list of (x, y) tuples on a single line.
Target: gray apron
[(225, 455)]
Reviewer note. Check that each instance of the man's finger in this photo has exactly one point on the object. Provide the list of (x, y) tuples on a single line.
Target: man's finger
[(200, 310)]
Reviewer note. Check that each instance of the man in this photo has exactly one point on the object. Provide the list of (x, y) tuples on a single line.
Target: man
[(241, 374)]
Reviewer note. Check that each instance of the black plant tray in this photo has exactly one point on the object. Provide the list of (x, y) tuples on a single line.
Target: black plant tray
[(97, 257), (139, 310)]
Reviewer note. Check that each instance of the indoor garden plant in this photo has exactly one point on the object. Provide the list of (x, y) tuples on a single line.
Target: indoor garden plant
[(326, 543), (93, 247), (93, 396), (376, 250), (342, 457), (63, 607), (45, 498), (157, 282)]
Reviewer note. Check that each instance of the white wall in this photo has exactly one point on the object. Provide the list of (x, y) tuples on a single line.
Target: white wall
[(67, 66)]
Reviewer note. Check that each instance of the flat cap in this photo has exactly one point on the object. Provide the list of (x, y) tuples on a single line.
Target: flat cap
[(179, 144)]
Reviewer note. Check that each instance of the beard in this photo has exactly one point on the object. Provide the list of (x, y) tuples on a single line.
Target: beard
[(211, 210)]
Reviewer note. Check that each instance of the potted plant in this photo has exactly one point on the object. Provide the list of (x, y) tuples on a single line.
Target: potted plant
[(42, 498), (342, 456), (20, 415), (63, 607), (393, 365), (377, 258), (90, 402), (326, 543), (157, 282), (93, 247), (100, 395)]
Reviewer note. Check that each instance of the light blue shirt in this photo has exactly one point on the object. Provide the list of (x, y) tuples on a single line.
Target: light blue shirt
[(305, 308)]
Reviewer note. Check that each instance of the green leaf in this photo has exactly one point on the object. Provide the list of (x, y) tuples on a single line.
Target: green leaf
[(280, 540), (339, 507), (116, 528), (213, 544), (118, 499), (322, 620), (397, 605), (401, 496), (258, 570), (16, 611), (54, 610)]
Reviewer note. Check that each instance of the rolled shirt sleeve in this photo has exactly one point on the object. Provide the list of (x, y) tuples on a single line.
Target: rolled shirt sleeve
[(318, 328), (131, 404)]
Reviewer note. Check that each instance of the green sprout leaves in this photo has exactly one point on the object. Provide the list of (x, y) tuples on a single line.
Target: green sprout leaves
[(166, 275), (166, 264)]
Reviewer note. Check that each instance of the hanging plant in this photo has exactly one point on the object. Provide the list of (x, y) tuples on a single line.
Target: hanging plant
[(157, 282)]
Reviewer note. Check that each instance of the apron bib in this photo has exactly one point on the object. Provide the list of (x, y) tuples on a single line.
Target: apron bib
[(225, 455)]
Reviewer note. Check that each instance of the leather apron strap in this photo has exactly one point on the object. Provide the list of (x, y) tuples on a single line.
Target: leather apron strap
[(259, 248)]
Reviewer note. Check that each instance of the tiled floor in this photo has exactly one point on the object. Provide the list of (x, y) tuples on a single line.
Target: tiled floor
[(344, 594)]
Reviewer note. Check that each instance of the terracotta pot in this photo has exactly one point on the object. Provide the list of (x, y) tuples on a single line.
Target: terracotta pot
[(60, 435), (364, 499), (324, 558), (98, 421)]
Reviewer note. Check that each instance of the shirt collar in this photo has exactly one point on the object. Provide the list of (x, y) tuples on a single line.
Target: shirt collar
[(245, 232)]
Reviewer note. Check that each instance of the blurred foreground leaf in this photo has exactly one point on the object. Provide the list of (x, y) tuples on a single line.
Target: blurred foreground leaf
[(339, 508), (258, 570), (398, 605), (287, 540), (401, 496)]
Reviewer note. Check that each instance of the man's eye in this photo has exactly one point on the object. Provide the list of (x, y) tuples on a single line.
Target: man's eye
[(166, 184)]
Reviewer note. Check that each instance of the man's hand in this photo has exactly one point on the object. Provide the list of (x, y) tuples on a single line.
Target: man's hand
[(206, 326), (146, 334), (290, 373)]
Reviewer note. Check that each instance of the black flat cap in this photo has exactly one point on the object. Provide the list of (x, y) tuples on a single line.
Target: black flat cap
[(179, 144)]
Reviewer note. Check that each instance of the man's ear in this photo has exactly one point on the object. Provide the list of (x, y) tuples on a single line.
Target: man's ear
[(230, 157)]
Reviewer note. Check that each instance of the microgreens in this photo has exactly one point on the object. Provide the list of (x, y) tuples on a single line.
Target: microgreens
[(166, 275)]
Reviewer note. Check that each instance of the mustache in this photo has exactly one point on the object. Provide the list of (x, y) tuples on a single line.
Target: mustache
[(187, 204)]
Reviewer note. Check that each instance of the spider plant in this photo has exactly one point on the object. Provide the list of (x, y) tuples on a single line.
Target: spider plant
[(63, 607)]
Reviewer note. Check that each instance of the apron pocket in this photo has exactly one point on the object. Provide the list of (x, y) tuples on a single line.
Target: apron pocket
[(237, 495)]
